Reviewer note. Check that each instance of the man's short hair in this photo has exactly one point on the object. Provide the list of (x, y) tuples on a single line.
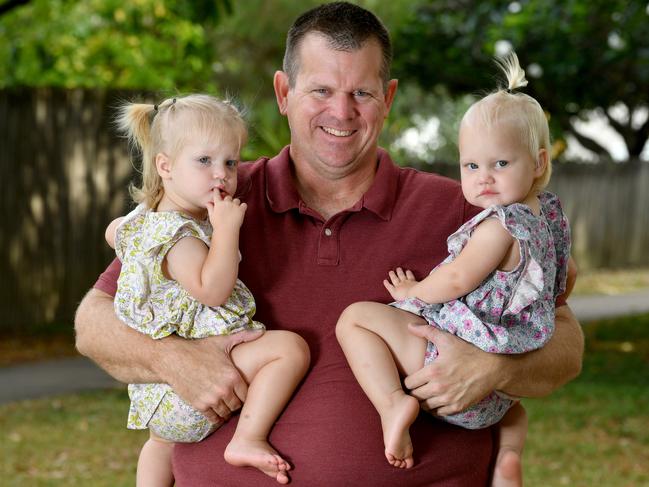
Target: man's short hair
[(347, 27)]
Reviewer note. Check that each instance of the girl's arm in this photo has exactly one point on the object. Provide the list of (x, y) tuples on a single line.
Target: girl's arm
[(207, 273), (110, 231), (490, 247)]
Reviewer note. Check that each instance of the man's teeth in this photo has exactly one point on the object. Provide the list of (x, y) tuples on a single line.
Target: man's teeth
[(338, 133)]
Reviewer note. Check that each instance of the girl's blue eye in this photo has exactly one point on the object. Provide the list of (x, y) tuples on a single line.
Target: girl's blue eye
[(501, 163), (204, 160), (472, 165)]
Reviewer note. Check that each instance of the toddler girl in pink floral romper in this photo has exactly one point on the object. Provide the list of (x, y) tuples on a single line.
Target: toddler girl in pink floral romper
[(496, 289)]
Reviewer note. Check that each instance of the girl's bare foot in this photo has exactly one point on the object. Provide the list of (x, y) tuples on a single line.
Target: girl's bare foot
[(259, 454), (508, 471), (396, 421)]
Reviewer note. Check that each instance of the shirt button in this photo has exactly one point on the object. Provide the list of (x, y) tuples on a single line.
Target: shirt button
[(328, 232)]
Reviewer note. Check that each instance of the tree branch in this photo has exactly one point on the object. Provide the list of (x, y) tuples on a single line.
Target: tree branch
[(639, 140), (589, 143)]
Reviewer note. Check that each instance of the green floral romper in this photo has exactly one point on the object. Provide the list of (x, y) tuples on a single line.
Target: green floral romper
[(150, 303)]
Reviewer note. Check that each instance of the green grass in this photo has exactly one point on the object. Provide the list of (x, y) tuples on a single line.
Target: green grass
[(594, 431), (78, 440)]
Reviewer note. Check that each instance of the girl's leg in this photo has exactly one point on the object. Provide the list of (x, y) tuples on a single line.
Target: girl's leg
[(508, 471), (154, 464), (272, 365), (379, 347)]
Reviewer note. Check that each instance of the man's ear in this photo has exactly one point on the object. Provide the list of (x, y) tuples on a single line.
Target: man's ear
[(390, 92), (281, 85), (163, 165), (541, 162)]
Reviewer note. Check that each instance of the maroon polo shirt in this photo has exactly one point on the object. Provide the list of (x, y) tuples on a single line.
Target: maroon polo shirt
[(303, 271)]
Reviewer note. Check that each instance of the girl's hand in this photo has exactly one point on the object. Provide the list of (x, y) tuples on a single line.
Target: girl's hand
[(400, 283), (225, 213)]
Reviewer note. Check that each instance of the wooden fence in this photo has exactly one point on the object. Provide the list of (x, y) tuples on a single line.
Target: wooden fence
[(64, 174)]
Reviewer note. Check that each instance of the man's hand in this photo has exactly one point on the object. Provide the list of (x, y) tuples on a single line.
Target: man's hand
[(459, 377), (400, 283), (201, 372)]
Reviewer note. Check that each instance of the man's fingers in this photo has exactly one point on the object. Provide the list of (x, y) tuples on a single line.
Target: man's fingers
[(241, 337), (211, 416), (222, 411), (409, 275), (241, 392), (234, 401), (415, 381), (424, 331)]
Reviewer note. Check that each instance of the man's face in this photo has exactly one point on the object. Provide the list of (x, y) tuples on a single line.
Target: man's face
[(336, 108)]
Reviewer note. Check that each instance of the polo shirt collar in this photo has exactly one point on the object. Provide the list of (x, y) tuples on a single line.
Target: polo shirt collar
[(379, 199)]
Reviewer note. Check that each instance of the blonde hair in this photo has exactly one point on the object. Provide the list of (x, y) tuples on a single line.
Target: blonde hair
[(520, 111), (165, 127)]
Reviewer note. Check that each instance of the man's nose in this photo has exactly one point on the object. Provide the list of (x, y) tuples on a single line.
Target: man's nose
[(342, 106)]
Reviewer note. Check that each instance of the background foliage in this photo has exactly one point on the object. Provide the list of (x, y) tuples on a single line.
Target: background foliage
[(581, 57), (585, 59)]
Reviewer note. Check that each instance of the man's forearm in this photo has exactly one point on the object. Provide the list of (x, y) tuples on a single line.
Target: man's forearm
[(124, 353), (542, 371)]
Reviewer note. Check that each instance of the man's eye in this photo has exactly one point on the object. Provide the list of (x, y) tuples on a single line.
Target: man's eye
[(363, 95)]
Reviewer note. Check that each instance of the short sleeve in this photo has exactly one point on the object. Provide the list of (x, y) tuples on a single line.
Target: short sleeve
[(560, 231)]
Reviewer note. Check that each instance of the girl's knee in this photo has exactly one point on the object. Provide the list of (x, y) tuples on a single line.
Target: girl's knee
[(291, 346), (350, 316)]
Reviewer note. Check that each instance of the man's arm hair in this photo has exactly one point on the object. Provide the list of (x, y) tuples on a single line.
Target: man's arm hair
[(199, 371), (126, 354)]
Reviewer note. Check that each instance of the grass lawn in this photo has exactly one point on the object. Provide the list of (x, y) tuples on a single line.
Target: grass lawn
[(594, 431)]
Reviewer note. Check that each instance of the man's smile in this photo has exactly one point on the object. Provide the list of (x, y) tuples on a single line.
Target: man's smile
[(336, 132)]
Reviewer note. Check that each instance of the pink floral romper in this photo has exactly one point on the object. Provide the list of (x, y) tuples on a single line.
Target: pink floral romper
[(509, 312)]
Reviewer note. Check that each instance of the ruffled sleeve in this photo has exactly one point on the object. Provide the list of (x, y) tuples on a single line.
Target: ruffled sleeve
[(146, 300), (514, 218), (127, 232), (162, 230), (560, 230), (517, 219)]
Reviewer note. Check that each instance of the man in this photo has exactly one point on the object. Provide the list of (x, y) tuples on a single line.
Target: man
[(326, 219)]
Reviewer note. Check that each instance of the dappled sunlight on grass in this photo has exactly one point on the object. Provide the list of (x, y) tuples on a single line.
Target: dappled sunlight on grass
[(611, 281)]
